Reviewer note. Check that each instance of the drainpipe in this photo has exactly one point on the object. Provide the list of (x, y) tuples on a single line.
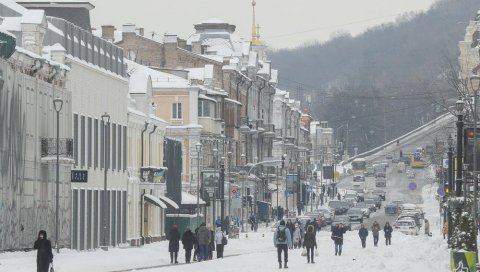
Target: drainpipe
[(143, 131), (259, 95), (150, 144), (246, 115)]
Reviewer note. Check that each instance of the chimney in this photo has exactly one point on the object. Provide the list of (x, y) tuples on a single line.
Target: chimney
[(128, 28), (141, 31), (170, 39), (108, 32)]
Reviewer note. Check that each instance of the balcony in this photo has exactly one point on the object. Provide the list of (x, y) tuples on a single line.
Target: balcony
[(211, 126), (48, 150)]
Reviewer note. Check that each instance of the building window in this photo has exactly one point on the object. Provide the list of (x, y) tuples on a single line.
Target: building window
[(203, 108), (177, 111)]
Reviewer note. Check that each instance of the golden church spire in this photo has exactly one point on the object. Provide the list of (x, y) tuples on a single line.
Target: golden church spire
[(255, 36)]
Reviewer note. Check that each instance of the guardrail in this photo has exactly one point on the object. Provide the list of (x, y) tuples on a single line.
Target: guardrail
[(375, 150)]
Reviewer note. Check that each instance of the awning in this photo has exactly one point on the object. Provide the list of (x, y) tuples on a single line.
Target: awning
[(155, 201), (169, 201)]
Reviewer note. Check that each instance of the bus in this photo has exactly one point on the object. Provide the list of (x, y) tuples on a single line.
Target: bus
[(359, 166), (417, 160)]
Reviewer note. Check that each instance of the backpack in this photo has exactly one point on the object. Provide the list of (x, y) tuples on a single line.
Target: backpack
[(281, 235)]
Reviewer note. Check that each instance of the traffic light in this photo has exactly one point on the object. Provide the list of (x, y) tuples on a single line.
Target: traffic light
[(283, 161), (244, 201), (315, 175), (445, 188), (250, 200)]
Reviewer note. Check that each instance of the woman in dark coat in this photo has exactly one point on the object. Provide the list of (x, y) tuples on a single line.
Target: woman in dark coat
[(388, 233), (310, 242), (174, 243), (44, 252), (188, 239)]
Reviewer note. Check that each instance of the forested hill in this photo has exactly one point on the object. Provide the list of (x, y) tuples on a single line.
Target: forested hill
[(387, 80)]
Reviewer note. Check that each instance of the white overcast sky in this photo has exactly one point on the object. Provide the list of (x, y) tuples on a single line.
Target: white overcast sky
[(283, 23)]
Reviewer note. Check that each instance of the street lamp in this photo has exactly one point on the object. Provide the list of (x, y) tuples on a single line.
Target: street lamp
[(460, 106), (58, 104), (229, 165), (450, 182), (106, 122), (198, 147), (475, 85), (243, 162)]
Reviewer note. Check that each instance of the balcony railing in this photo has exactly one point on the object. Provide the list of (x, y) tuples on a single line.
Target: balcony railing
[(49, 147)]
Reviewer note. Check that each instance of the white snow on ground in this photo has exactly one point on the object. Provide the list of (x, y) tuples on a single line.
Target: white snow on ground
[(407, 253)]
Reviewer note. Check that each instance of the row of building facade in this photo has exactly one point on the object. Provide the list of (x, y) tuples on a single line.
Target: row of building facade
[(161, 99)]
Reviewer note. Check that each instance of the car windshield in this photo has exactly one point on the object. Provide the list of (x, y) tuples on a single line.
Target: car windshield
[(354, 211), (405, 223)]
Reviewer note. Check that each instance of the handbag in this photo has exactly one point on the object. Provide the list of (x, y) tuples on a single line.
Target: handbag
[(51, 268), (316, 252), (224, 240), (304, 252)]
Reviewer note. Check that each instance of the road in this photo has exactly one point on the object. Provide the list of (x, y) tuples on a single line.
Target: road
[(398, 183)]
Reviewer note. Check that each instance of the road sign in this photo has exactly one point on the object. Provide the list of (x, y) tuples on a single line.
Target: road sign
[(234, 190), (445, 163), (412, 186), (210, 190)]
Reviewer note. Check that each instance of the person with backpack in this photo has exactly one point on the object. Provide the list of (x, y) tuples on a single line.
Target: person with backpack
[(388, 233), (188, 239), (337, 237), (219, 241), (375, 232), (310, 242), (363, 233), (282, 241)]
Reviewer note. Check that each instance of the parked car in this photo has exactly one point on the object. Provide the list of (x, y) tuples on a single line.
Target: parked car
[(381, 182), (381, 193), (389, 156), (406, 216), (391, 209), (376, 198), (399, 203), (355, 214), (365, 209), (337, 207), (370, 172), (372, 204), (406, 226), (344, 219), (360, 192), (358, 177)]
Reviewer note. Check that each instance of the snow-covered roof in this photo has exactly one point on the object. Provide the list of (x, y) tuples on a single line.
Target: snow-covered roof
[(204, 97), (13, 6), (159, 79), (274, 76), (138, 83), (201, 73), (33, 16), (233, 101), (189, 199), (12, 23), (5, 31)]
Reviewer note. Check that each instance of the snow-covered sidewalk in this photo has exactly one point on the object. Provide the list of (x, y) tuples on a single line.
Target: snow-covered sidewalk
[(407, 253)]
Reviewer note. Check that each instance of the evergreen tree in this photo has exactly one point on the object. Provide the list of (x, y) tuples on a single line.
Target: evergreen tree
[(464, 235)]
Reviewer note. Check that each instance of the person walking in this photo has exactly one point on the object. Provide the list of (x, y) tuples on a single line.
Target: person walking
[(387, 229), (203, 239), (297, 236), (188, 240), (291, 228), (339, 197), (427, 227), (282, 241), (44, 251), (375, 232), (310, 241), (174, 243), (211, 244), (445, 230), (337, 237), (363, 233), (219, 235)]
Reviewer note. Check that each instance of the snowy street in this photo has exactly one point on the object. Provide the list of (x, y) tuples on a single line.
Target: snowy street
[(407, 253)]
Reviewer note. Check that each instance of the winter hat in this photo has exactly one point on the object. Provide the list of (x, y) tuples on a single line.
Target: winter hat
[(44, 233), (282, 223), (174, 227)]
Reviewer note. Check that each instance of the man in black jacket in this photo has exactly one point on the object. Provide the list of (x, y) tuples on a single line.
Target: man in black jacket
[(337, 237), (188, 239), (44, 252)]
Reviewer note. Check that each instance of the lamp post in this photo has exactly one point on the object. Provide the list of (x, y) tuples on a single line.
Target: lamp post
[(475, 85), (460, 106), (58, 104), (198, 147), (214, 206), (243, 157), (106, 122), (229, 165), (222, 193), (450, 182)]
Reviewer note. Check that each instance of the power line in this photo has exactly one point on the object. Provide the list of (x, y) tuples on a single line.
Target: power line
[(331, 26)]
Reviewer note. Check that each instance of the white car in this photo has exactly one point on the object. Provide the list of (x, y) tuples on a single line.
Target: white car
[(406, 226)]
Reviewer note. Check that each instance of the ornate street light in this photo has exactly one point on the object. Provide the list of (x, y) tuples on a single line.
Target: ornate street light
[(57, 104), (106, 122)]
